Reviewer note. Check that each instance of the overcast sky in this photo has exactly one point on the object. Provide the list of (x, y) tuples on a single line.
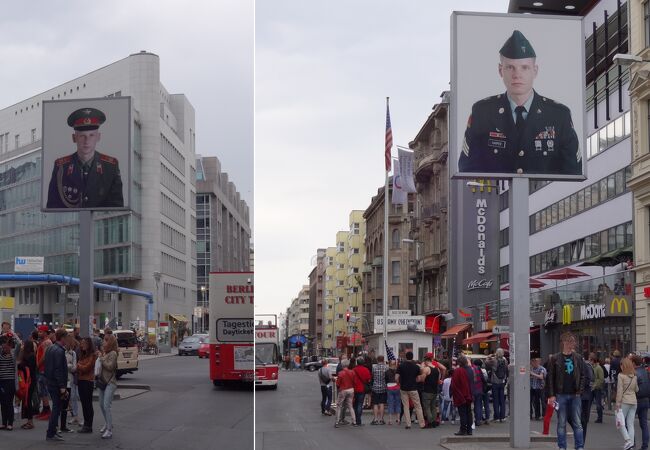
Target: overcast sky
[(205, 49), (323, 71)]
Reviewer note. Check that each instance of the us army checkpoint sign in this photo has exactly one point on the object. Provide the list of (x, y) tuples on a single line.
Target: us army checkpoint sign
[(517, 97), (86, 154)]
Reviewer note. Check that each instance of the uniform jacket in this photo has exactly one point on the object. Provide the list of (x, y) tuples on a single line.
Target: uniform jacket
[(56, 366), (555, 377), (548, 144), (102, 186)]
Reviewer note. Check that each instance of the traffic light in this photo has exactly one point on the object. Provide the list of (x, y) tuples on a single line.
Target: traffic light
[(347, 316)]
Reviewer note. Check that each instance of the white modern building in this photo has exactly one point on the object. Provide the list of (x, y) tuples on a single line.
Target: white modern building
[(152, 247)]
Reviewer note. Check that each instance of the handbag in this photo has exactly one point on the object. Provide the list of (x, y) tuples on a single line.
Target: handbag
[(100, 383), (620, 419)]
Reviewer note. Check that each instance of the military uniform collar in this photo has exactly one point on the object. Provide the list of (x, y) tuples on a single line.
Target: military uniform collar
[(526, 105), (90, 162)]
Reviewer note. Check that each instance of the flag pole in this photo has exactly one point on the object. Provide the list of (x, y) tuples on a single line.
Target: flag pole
[(387, 157)]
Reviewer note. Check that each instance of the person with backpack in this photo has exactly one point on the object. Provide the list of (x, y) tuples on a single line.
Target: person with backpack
[(586, 397), (642, 399), (597, 388), (487, 387), (325, 379), (499, 379)]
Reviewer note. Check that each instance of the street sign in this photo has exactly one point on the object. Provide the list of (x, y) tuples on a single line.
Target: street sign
[(73, 296), (396, 323), (31, 264), (500, 329), (399, 312)]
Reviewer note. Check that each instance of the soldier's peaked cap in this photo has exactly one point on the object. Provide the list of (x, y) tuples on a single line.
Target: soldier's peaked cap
[(86, 119), (517, 47)]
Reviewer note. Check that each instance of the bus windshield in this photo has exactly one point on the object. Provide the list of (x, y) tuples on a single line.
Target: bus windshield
[(266, 353)]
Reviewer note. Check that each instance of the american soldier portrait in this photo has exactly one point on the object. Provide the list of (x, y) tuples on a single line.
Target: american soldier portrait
[(520, 131), (86, 178)]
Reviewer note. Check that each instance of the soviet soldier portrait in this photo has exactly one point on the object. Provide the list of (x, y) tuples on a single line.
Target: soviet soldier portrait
[(520, 131), (86, 178)]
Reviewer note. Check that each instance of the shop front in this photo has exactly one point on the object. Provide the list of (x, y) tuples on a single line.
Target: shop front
[(600, 327)]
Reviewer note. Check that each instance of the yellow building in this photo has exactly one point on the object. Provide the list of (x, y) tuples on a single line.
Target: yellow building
[(340, 288), (356, 256), (329, 334)]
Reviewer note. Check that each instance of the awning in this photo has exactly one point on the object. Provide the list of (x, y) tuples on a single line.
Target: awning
[(453, 331), (484, 336), (178, 317)]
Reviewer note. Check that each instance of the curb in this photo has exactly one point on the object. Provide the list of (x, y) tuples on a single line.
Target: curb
[(491, 438)]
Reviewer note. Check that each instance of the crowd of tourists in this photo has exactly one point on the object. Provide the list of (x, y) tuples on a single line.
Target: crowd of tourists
[(50, 376)]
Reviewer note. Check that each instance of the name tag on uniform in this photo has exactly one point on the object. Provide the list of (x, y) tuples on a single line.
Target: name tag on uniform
[(495, 134), (496, 143)]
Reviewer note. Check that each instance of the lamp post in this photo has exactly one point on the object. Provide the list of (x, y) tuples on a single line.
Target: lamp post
[(156, 277), (203, 289), (418, 258)]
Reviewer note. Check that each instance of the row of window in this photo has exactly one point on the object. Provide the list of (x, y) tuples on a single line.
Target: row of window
[(113, 261), (599, 192), (172, 237), (4, 142), (114, 230), (173, 210), (171, 181), (173, 291), (609, 135), (173, 266), (42, 242), (20, 195), (171, 154)]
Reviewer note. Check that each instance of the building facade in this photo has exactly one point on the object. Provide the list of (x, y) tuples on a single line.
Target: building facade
[(150, 248), (222, 227), (316, 278)]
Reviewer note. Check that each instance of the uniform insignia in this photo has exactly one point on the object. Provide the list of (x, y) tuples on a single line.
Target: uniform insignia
[(469, 121), (538, 145), (100, 169), (494, 134), (501, 110), (108, 159), (543, 99), (64, 160), (465, 147), (539, 111), (496, 143), (70, 169), (550, 144)]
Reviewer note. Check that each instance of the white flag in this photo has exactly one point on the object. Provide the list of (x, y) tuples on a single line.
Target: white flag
[(399, 195), (406, 169)]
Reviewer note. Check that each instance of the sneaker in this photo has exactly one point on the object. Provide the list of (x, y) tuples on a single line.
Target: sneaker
[(381, 422), (58, 433), (408, 427), (85, 430), (374, 422), (107, 434), (442, 422), (628, 445), (102, 429), (67, 430), (453, 422), (55, 438)]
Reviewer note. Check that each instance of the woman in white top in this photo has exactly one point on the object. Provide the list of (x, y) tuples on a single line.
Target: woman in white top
[(626, 390), (447, 403)]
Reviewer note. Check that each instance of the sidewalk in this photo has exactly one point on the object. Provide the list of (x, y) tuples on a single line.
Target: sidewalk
[(174, 352)]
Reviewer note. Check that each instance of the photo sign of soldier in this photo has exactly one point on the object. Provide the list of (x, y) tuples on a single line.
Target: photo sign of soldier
[(86, 143), (535, 128)]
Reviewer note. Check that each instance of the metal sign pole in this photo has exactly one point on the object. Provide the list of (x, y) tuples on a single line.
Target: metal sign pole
[(519, 315), (86, 273)]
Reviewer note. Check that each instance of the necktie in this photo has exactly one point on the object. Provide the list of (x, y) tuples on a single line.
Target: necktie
[(519, 111)]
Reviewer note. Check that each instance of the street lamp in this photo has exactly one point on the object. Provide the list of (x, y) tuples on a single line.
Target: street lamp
[(418, 257), (626, 60), (203, 289)]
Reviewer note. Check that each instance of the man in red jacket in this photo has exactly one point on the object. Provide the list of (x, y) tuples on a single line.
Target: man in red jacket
[(345, 385), (462, 395), (362, 378)]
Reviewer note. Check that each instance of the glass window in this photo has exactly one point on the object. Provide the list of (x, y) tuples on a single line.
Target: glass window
[(620, 236), (611, 137), (543, 217), (574, 204), (581, 201), (629, 236), (594, 243), (538, 221), (587, 197), (560, 210), (603, 190), (561, 256), (602, 139), (611, 239), (554, 213), (618, 129), (628, 124), (594, 144), (620, 182), (611, 186), (595, 194), (395, 269)]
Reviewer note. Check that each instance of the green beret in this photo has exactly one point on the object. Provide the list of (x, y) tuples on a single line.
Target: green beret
[(517, 47), (86, 119)]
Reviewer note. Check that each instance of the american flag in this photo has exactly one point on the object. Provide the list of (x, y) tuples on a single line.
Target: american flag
[(389, 353), (389, 138)]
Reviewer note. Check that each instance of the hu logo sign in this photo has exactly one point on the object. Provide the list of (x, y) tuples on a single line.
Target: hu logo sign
[(620, 304), (566, 315)]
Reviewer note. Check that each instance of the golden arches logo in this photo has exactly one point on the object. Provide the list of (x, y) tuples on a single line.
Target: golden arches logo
[(566, 315), (620, 303), (485, 185)]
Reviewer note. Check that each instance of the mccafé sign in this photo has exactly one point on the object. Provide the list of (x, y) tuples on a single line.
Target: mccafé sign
[(611, 306)]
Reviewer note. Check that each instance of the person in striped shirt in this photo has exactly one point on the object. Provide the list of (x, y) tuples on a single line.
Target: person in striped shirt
[(7, 380)]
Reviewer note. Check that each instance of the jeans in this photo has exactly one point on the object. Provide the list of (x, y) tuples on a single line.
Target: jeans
[(7, 393), (64, 410), (415, 398), (465, 413), (344, 399), (584, 416), (393, 401), (536, 405), (642, 411), (629, 412), (429, 406), (598, 400), (86, 398), (499, 400), (74, 400), (478, 408), (105, 402), (326, 398), (486, 405), (569, 405), (448, 410), (55, 396), (358, 405)]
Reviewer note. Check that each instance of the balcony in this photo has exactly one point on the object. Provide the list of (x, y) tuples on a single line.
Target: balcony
[(430, 213)]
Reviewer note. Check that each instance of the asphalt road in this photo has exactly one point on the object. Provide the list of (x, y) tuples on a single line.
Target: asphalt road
[(290, 419), (181, 411)]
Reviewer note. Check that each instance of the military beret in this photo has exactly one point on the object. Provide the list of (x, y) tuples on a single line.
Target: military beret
[(517, 47), (86, 119)]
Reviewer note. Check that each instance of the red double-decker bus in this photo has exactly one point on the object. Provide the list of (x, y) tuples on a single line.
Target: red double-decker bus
[(267, 351), (231, 328)]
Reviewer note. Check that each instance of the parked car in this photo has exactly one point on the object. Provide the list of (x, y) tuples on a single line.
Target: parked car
[(204, 349), (190, 345), (127, 352)]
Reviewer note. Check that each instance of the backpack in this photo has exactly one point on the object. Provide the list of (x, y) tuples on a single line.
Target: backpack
[(605, 372), (501, 371), (589, 376), (322, 377), (643, 380)]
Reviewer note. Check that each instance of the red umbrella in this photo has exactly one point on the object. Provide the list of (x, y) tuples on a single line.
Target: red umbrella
[(563, 274), (532, 283)]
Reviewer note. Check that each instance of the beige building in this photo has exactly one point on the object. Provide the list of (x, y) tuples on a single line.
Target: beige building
[(298, 313), (639, 184), (429, 226), (329, 334), (401, 292)]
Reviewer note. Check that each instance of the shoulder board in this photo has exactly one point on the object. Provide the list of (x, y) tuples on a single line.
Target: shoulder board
[(551, 102), (108, 159), (64, 160)]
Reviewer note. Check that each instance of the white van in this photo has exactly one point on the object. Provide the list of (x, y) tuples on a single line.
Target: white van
[(127, 352)]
